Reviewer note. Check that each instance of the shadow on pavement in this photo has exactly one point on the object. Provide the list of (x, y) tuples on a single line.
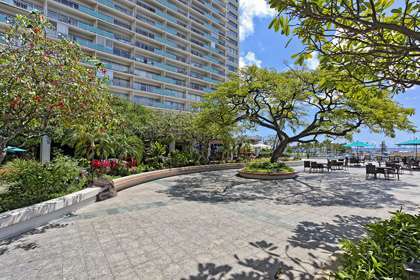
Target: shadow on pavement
[(329, 189), (19, 242)]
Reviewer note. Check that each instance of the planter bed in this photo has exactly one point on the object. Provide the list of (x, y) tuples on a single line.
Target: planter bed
[(136, 179), (267, 176)]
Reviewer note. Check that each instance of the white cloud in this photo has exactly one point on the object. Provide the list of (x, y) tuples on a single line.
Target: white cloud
[(414, 88), (249, 59), (248, 10), (313, 62)]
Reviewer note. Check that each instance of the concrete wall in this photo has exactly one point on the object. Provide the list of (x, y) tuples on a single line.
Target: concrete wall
[(134, 180), (21, 220)]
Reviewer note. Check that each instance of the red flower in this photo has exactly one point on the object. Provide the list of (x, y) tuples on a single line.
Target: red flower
[(113, 164), (95, 164), (15, 102), (106, 163), (60, 105), (37, 98)]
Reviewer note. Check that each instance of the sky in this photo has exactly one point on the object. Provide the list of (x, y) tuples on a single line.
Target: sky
[(265, 48)]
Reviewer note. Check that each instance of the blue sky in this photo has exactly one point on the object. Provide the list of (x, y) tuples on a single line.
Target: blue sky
[(266, 48)]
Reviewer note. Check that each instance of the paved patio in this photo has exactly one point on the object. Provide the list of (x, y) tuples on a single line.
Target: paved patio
[(210, 226)]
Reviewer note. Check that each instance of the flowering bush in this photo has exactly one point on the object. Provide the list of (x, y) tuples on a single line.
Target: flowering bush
[(114, 167), (28, 181)]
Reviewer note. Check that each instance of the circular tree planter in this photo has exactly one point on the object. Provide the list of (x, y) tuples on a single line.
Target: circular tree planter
[(267, 176)]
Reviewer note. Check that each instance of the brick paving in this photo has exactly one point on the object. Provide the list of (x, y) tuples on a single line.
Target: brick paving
[(211, 225)]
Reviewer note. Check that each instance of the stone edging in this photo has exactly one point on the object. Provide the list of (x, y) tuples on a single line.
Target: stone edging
[(267, 176), (20, 220), (136, 179)]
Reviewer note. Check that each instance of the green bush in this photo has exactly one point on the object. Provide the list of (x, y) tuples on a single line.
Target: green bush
[(389, 245), (28, 182), (156, 157), (178, 159), (267, 167)]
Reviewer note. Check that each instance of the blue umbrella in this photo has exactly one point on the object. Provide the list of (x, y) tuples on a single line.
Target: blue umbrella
[(358, 144), (414, 142), (14, 150)]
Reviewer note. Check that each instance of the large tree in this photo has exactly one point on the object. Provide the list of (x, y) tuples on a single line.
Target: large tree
[(302, 106), (375, 41), (45, 83)]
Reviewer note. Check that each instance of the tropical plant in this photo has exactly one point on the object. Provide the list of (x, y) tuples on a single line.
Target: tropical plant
[(388, 246), (268, 167), (44, 84), (29, 182), (156, 156), (90, 144), (178, 158), (375, 42), (301, 106)]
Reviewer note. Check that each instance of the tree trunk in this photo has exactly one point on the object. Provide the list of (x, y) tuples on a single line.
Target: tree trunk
[(2, 152), (2, 156), (278, 151)]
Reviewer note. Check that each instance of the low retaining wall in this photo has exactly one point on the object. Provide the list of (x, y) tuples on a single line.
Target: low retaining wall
[(133, 180), (20, 220), (267, 176)]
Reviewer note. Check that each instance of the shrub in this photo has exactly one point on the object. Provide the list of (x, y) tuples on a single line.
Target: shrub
[(267, 167), (113, 167), (157, 158), (389, 245), (29, 182), (178, 159)]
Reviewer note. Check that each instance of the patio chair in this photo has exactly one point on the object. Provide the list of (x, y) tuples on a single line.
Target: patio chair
[(307, 164), (395, 166), (388, 172), (314, 165), (371, 170), (407, 167), (392, 172), (333, 165)]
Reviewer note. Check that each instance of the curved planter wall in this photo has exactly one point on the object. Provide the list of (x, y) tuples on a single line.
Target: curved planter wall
[(267, 176), (134, 180)]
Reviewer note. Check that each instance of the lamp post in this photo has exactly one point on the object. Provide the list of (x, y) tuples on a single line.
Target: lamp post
[(45, 153)]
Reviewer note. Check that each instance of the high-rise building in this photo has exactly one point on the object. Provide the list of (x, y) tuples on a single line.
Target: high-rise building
[(159, 53)]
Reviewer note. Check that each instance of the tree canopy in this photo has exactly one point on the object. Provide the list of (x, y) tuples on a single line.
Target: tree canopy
[(375, 42), (45, 83), (301, 106)]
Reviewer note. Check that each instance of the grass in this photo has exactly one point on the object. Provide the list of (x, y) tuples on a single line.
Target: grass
[(268, 167)]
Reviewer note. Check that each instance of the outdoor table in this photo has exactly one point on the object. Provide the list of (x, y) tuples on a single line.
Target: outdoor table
[(385, 171)]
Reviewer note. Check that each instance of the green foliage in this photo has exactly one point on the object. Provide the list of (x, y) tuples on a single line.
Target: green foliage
[(300, 106), (103, 144), (382, 254), (156, 157), (43, 83), (375, 42), (29, 182), (178, 159), (268, 167)]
